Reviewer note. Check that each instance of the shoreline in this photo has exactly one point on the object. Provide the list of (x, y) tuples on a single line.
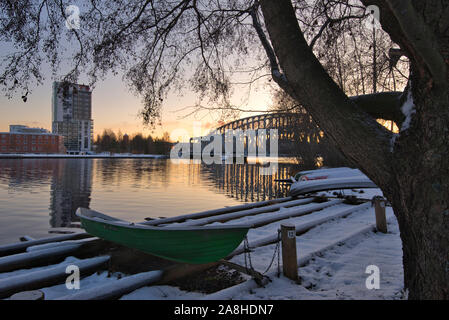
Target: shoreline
[(87, 156)]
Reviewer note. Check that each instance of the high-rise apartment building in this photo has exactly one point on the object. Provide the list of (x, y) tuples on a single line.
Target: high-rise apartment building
[(72, 116)]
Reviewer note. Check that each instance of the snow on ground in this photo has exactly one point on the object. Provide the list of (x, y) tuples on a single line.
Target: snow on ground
[(88, 282), (408, 109), (339, 272), (160, 293), (316, 238)]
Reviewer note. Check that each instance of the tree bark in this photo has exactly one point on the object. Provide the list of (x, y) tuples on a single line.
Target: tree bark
[(420, 197)]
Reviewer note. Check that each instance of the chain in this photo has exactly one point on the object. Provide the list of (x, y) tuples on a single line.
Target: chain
[(247, 256), (276, 250)]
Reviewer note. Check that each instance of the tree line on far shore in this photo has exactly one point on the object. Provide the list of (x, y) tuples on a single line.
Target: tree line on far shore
[(109, 141)]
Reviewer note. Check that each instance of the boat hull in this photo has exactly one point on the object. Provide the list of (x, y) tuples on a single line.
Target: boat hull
[(194, 246)]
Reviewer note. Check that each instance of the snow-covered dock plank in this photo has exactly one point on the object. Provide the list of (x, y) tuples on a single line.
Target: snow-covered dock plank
[(210, 213), (245, 213), (60, 244), (34, 258), (42, 278), (257, 222), (117, 288), (8, 249)]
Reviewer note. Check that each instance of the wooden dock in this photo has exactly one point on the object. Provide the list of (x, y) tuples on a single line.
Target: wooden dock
[(43, 262)]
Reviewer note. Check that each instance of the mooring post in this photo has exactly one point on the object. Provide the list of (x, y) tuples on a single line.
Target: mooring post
[(289, 256), (379, 209)]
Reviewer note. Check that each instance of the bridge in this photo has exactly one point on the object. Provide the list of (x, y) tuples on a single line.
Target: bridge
[(259, 135)]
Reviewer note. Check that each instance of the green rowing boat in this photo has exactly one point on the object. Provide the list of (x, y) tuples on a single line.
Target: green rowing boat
[(195, 245)]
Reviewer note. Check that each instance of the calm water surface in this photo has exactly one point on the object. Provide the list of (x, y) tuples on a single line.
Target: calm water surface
[(39, 194)]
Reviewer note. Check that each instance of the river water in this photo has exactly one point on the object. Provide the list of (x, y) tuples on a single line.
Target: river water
[(39, 194)]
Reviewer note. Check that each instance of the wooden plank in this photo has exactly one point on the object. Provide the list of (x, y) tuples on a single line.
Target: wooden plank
[(292, 212), (21, 246), (245, 213), (117, 288), (50, 276), (46, 256), (60, 244), (215, 212)]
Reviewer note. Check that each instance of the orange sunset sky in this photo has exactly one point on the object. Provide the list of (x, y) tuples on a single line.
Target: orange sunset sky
[(115, 107)]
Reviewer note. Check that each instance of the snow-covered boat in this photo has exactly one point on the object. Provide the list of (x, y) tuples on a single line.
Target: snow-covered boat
[(329, 179), (327, 173)]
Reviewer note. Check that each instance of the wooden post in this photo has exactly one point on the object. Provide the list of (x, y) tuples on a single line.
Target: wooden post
[(289, 257), (381, 219)]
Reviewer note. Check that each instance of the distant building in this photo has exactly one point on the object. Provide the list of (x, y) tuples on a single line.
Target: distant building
[(22, 139), (18, 128), (72, 116)]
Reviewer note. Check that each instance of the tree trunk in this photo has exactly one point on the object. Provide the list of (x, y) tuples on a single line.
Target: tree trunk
[(420, 194), (414, 174)]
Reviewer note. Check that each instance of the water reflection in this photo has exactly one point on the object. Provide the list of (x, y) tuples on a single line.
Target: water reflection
[(71, 187), (245, 182), (38, 193)]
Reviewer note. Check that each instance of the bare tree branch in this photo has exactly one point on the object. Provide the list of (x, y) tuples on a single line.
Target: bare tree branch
[(420, 37)]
